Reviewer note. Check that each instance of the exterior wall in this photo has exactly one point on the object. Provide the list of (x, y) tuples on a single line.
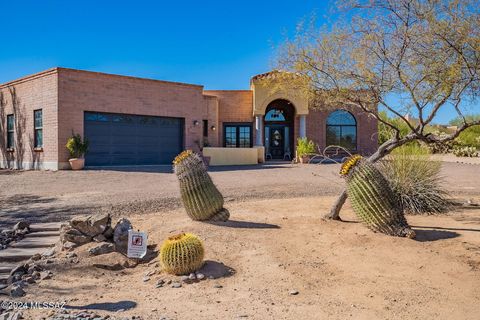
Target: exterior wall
[(233, 106), (210, 113), (366, 130), (38, 91), (264, 94), (81, 91)]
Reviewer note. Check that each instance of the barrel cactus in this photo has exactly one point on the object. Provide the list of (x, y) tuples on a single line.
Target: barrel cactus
[(182, 254), (373, 200), (201, 198)]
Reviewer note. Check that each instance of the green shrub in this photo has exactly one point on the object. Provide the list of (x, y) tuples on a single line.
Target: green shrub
[(305, 147), (76, 146), (416, 179), (471, 136)]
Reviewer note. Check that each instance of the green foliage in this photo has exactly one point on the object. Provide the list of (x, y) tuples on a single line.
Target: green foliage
[(182, 254), (386, 132), (372, 199), (305, 146), (201, 198), (416, 180), (469, 137), (76, 146)]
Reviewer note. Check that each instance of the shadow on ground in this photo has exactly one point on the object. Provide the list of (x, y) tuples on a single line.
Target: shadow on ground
[(106, 306), (426, 235), (245, 225), (35, 209), (215, 270)]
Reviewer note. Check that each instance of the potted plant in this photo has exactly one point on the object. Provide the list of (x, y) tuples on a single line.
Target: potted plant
[(77, 149), (305, 148)]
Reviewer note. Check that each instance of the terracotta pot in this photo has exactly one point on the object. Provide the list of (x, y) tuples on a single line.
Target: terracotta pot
[(304, 159), (77, 163)]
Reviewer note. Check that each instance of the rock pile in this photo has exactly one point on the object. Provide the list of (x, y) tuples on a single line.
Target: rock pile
[(82, 230), (16, 233), (27, 273)]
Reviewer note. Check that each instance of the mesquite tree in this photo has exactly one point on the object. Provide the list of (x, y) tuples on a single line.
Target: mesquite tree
[(401, 56)]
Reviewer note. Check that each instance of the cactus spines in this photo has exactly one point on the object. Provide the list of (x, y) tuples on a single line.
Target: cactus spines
[(201, 198), (373, 200), (181, 254)]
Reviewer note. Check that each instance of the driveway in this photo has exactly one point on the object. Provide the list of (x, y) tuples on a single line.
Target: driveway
[(43, 196)]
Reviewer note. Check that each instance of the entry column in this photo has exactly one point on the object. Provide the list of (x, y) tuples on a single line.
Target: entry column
[(259, 130), (302, 130)]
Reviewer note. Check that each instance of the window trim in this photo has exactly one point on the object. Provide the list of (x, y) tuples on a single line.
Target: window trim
[(237, 125), (12, 132), (340, 126), (37, 146)]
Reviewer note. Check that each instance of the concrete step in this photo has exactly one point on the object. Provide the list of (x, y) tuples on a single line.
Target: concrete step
[(49, 226), (39, 234), (7, 267), (4, 278), (36, 242), (19, 254)]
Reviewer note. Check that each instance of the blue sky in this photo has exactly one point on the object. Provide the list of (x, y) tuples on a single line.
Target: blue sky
[(218, 44)]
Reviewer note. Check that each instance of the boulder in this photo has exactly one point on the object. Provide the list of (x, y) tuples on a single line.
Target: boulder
[(92, 225), (21, 225), (102, 248), (17, 291), (69, 234), (120, 235)]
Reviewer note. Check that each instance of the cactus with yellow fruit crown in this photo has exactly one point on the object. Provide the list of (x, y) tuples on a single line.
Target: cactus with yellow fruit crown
[(182, 254), (373, 200), (201, 198)]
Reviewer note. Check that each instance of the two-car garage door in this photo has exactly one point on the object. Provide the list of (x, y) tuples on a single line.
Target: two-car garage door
[(122, 139)]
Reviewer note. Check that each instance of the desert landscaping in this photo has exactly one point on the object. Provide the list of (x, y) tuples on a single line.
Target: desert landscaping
[(276, 258)]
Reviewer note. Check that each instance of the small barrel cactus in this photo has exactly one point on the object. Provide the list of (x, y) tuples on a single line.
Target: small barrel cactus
[(201, 198), (182, 254), (373, 200)]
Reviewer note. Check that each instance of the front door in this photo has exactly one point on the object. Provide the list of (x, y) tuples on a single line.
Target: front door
[(277, 142)]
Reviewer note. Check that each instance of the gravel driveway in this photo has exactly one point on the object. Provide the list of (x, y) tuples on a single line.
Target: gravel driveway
[(55, 196)]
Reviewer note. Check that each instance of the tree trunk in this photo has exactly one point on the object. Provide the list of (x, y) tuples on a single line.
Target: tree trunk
[(382, 151), (334, 213)]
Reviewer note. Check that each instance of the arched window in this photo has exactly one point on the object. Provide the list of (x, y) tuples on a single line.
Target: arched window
[(275, 115), (342, 129)]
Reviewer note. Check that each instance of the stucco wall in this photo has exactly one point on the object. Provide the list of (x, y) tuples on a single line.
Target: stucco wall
[(81, 91), (37, 91)]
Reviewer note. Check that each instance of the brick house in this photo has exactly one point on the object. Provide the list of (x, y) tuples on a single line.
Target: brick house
[(136, 121)]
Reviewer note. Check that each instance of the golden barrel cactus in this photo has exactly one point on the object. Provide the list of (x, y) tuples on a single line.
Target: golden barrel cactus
[(372, 199), (200, 197), (182, 254)]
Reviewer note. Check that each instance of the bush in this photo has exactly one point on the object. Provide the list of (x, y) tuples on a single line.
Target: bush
[(76, 146), (416, 180), (305, 147), (460, 151)]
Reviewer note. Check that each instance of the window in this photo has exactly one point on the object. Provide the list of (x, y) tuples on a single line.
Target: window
[(237, 136), (342, 129), (275, 115), (10, 131), (38, 128), (205, 128)]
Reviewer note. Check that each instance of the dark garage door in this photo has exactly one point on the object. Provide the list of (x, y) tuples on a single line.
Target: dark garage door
[(122, 139)]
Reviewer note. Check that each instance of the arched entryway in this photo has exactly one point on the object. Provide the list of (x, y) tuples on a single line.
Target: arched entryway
[(279, 129)]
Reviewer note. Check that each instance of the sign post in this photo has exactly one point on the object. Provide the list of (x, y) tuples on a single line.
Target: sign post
[(137, 244)]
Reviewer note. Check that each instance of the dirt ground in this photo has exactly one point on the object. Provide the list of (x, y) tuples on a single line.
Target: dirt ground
[(42, 196), (340, 269)]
